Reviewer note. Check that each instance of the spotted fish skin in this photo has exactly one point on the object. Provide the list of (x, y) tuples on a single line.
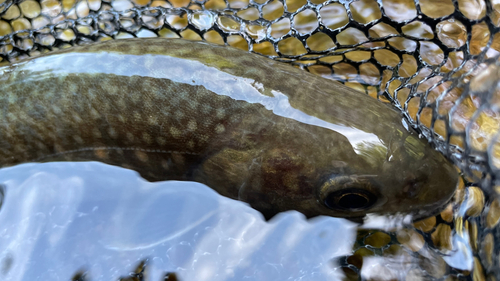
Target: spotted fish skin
[(251, 128)]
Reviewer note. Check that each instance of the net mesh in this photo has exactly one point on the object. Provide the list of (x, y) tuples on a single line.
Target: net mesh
[(437, 61)]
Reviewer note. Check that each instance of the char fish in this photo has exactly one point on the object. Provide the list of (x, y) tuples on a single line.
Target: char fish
[(251, 128)]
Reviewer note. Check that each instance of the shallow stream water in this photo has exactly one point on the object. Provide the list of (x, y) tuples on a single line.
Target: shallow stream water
[(58, 219)]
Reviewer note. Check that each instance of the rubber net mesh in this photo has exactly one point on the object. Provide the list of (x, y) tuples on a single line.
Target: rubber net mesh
[(437, 61)]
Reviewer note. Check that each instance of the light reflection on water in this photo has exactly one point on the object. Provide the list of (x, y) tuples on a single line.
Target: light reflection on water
[(59, 218)]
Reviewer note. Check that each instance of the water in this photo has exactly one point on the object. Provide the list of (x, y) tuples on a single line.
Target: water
[(60, 218)]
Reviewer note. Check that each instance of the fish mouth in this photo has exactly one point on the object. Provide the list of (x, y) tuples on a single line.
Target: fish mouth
[(430, 210), (398, 218)]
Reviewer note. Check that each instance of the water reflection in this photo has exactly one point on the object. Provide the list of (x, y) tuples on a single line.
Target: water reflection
[(58, 220)]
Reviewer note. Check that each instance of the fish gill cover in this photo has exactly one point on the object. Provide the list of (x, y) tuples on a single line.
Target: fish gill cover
[(437, 61)]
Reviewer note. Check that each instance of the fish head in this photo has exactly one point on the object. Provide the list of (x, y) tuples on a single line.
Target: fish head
[(398, 175), (403, 175)]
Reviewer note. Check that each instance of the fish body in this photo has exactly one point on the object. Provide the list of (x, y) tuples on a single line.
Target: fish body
[(251, 128)]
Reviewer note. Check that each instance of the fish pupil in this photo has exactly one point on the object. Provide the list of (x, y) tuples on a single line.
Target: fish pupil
[(353, 199)]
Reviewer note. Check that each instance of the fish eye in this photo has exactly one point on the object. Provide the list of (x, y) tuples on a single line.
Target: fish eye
[(353, 199), (348, 193)]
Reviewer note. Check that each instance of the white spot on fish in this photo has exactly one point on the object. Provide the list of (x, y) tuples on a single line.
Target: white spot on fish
[(192, 125), (220, 129)]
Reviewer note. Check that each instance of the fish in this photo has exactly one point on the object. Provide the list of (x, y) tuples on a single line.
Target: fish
[(251, 128)]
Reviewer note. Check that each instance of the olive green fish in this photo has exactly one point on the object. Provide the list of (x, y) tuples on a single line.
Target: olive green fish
[(251, 128)]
